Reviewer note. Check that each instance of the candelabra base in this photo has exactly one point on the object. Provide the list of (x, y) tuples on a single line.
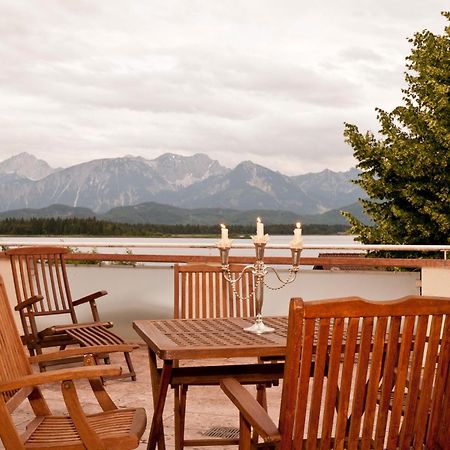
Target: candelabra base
[(259, 327)]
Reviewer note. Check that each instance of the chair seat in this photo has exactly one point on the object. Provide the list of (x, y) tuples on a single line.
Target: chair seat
[(118, 429), (97, 333), (62, 329), (94, 335), (100, 335)]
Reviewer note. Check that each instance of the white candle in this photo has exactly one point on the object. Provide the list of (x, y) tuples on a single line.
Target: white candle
[(259, 228), (224, 232), (298, 232)]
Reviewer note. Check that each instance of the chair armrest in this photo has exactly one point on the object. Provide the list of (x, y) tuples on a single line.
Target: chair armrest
[(81, 351), (73, 373), (251, 410), (28, 302), (89, 298)]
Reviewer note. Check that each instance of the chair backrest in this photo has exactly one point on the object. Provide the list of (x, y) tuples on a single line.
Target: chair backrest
[(14, 365), (362, 374), (201, 291), (42, 271), (13, 361)]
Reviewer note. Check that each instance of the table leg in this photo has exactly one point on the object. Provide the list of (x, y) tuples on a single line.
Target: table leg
[(180, 393), (160, 385)]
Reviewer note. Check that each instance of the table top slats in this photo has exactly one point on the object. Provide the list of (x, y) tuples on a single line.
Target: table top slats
[(211, 338)]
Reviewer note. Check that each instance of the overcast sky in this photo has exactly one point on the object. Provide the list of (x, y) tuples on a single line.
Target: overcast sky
[(270, 81)]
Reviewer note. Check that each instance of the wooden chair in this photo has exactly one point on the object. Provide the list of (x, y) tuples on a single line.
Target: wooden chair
[(341, 353), (42, 290), (112, 428), (200, 291)]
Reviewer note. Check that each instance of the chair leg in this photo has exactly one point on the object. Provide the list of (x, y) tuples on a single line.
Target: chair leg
[(42, 365), (261, 398), (180, 394), (176, 413), (37, 350), (130, 365), (131, 371), (244, 434), (261, 395)]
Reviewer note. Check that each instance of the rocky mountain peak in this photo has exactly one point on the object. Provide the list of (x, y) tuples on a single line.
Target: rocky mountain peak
[(26, 166), (251, 168), (186, 170)]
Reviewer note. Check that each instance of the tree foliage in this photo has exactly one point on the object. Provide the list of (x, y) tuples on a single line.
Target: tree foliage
[(406, 173), (93, 227)]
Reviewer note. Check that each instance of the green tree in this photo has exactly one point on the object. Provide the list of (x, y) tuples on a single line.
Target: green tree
[(406, 173)]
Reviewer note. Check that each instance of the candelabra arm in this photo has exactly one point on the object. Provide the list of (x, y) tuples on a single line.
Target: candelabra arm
[(290, 279), (227, 274)]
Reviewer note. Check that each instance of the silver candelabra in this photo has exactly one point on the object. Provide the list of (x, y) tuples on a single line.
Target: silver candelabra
[(259, 271)]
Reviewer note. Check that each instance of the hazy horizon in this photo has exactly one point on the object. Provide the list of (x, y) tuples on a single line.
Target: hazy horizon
[(49, 162)]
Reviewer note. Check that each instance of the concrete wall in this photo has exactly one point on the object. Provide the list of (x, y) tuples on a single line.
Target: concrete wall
[(5, 272), (436, 281), (146, 292)]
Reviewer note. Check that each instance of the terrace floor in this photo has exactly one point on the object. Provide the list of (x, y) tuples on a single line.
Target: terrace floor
[(207, 407)]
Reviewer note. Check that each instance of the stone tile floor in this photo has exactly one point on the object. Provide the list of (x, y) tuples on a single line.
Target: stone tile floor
[(207, 407)]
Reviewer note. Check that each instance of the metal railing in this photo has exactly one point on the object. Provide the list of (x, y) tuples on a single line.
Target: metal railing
[(359, 247), (173, 257)]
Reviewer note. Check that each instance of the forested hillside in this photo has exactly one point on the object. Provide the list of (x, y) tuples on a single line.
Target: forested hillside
[(95, 227)]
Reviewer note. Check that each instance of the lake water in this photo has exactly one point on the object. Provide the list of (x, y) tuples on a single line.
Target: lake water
[(137, 245)]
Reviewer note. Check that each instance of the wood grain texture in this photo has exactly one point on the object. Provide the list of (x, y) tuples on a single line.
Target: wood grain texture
[(361, 375)]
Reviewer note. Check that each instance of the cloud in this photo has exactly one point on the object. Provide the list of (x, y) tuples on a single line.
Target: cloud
[(254, 79)]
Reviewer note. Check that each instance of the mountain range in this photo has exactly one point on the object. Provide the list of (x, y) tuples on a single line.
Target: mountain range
[(189, 182)]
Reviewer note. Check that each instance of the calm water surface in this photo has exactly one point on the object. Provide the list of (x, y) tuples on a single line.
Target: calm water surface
[(129, 244)]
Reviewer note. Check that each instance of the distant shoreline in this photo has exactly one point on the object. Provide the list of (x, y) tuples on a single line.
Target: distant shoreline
[(92, 227)]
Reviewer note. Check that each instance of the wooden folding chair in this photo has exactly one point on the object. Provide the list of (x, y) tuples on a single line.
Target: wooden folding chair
[(111, 428), (355, 349), (200, 291), (42, 290)]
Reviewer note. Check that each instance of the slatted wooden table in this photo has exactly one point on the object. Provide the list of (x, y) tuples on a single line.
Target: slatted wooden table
[(197, 339)]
